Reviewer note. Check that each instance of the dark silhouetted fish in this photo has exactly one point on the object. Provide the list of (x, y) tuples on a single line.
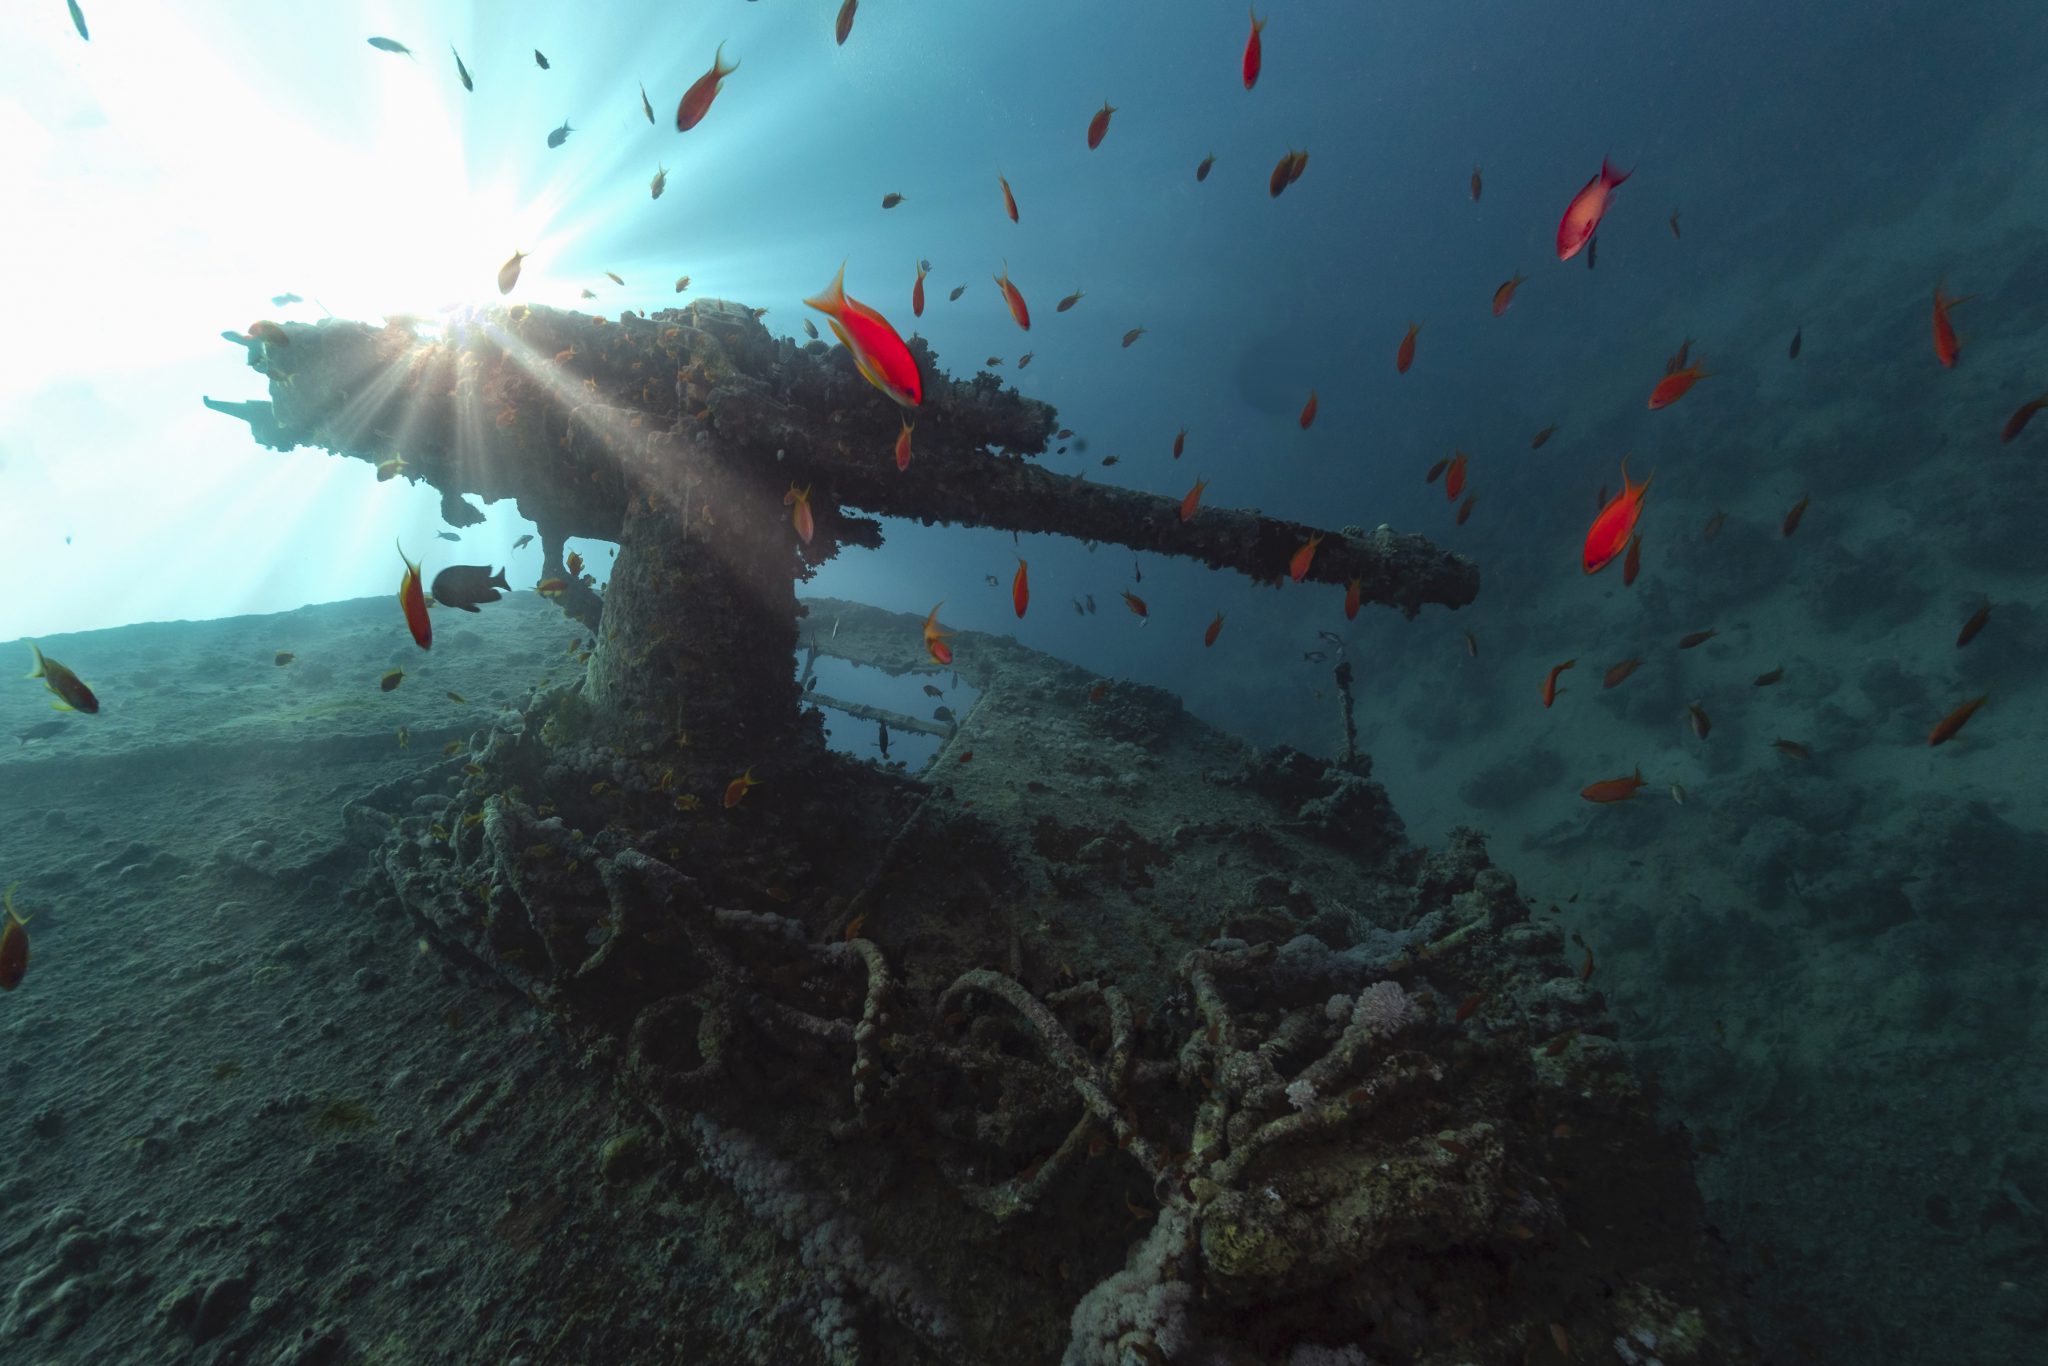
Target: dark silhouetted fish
[(539, 60), (463, 586), (280, 300), (390, 45), (447, 535), (42, 730), (560, 135), (523, 541), (1797, 332)]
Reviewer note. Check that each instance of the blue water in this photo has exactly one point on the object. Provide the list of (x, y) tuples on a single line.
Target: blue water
[(1827, 166)]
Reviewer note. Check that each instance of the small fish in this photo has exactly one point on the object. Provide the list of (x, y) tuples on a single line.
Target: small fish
[(958, 290), (1465, 508), (1945, 729), (1475, 182), (1617, 672), (1678, 794), (1765, 680), (916, 297), (1099, 125), (1714, 525), (1793, 350), (1014, 298), (1282, 175), (1354, 595), (882, 739), (280, 300), (457, 698), (1973, 625), (935, 638), (1632, 563), (447, 536), (1687, 642), (798, 501), (1674, 223), (842, 26), (78, 19), (1297, 567), (1582, 216), (1454, 476), (903, 446), (657, 185), (1009, 200), (1068, 302), (1020, 589), (811, 683), (560, 135), (508, 274), (1132, 336), (1215, 629), (1180, 443), (1064, 433), (879, 353), (1471, 644), (1405, 355), (1090, 597), (1137, 573), (1313, 656), (1025, 359), (1253, 52), (1792, 518), (1609, 535), (696, 101), (739, 787), (1108, 460), (1079, 610), (1336, 641), (891, 200), (1136, 604), (1792, 749), (283, 658), (1436, 470), (66, 686), (1192, 501), (1550, 688), (1612, 790), (810, 329), (1202, 171), (1592, 253), (613, 276), (405, 739), (381, 44), (1700, 724), (682, 283), (968, 757), (930, 691), (2017, 423), (551, 588), (992, 581), (540, 60), (1542, 437), (462, 71), (390, 469), (1946, 346), (14, 930), (523, 541), (391, 680), (646, 105), (1308, 409), (412, 601), (1673, 386), (1505, 295)]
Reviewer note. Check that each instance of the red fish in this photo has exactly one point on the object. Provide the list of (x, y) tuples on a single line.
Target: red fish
[(1946, 728), (696, 102), (845, 24), (1193, 500), (1550, 680), (1405, 357), (1465, 508), (1617, 672), (1254, 53), (1946, 346), (798, 501), (1180, 443), (917, 293), (935, 638), (1298, 566), (1136, 604), (1582, 216), (1020, 590), (1475, 182), (1099, 125), (1792, 518), (1354, 594), (1215, 629), (412, 600), (903, 446), (1505, 295), (879, 353), (2017, 423), (269, 333), (1632, 563), (1454, 476), (1308, 411), (739, 787), (1202, 171), (1613, 789), (13, 944), (1611, 529), (1673, 386), (1283, 175), (1011, 296), (1973, 626), (1009, 200)]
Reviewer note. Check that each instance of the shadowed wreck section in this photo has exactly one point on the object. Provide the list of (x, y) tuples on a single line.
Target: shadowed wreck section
[(1105, 1038)]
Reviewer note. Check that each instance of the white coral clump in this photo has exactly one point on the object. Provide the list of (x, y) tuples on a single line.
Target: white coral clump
[(1383, 1008), (1137, 1305), (1301, 1093)]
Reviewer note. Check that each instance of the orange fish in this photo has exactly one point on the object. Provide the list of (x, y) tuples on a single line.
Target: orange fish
[(1505, 295), (1792, 518), (1014, 299), (1944, 730), (412, 600), (1405, 357), (697, 99), (1283, 175), (798, 501), (1099, 125), (1297, 166), (1475, 183), (1202, 171), (1020, 590), (1465, 508), (551, 588), (1189, 504), (739, 787), (2017, 423), (1618, 672), (1673, 386), (1613, 789), (1973, 626), (1009, 200), (1215, 629), (574, 562), (1354, 594), (1308, 411), (935, 638), (904, 445), (878, 352), (13, 944), (1550, 680), (917, 293), (269, 333), (1180, 443), (1696, 638), (1542, 437), (1253, 52), (1454, 476), (1136, 604), (1298, 566), (1632, 563), (1946, 346), (844, 25), (1582, 216), (1611, 529)]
